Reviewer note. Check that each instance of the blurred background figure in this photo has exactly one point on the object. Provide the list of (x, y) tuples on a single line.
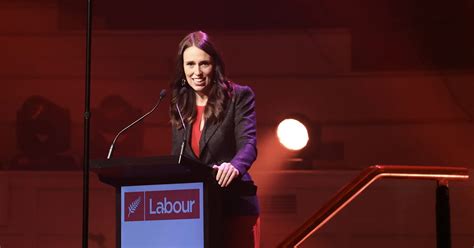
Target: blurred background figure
[(113, 114), (43, 131)]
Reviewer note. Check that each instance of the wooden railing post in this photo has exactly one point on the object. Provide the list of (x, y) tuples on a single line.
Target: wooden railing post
[(443, 224)]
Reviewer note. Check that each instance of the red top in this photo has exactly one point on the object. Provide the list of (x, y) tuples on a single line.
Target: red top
[(196, 132)]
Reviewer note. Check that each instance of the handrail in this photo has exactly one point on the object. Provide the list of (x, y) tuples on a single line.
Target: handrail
[(360, 183)]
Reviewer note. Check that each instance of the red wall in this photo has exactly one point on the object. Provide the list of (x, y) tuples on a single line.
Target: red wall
[(403, 116)]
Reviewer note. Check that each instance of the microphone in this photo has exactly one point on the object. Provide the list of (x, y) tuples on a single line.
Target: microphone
[(162, 95), (184, 127)]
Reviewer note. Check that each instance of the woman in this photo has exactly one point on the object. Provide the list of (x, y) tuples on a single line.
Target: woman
[(221, 134)]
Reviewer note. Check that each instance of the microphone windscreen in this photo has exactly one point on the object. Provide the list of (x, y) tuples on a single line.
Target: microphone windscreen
[(162, 93)]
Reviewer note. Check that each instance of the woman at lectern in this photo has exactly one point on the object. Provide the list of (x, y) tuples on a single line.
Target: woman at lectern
[(220, 129)]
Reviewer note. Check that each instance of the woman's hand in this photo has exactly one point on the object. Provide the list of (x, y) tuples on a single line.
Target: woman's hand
[(226, 172)]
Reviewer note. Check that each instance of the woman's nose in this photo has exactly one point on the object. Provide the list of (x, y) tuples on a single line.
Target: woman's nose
[(197, 70)]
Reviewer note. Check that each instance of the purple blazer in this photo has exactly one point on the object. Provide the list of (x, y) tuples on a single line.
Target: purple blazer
[(233, 140)]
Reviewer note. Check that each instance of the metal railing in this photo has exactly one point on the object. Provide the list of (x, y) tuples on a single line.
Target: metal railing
[(370, 175)]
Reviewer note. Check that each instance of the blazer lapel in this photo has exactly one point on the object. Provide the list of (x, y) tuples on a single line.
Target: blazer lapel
[(208, 132)]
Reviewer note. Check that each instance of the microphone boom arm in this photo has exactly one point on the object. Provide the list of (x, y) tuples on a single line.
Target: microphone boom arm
[(184, 134), (162, 95)]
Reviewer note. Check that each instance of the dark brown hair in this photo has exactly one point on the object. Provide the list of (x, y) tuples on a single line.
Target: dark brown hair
[(183, 95)]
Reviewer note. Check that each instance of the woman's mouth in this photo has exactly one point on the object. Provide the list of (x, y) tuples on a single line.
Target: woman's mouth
[(199, 81)]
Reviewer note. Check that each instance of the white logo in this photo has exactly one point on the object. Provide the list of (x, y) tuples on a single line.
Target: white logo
[(168, 207), (133, 206)]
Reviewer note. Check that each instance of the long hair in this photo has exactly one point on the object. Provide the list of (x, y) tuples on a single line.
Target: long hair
[(183, 95)]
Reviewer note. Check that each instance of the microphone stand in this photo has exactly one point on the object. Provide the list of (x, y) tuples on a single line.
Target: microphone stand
[(87, 115), (184, 134), (111, 149)]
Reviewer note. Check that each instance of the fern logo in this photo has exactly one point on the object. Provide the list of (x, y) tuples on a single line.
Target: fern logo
[(134, 205)]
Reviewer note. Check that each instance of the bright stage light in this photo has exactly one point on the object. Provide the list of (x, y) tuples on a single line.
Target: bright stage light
[(292, 134)]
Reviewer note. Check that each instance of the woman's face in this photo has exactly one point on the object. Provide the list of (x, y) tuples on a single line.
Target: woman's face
[(198, 68)]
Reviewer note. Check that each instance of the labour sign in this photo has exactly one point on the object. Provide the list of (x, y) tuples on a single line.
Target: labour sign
[(162, 205), (164, 215)]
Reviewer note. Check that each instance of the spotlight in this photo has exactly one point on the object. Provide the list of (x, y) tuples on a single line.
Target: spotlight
[(301, 137), (292, 134)]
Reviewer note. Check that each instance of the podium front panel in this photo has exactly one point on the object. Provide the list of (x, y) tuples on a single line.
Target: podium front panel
[(162, 215)]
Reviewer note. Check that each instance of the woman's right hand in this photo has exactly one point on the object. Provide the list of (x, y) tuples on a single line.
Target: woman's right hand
[(226, 172)]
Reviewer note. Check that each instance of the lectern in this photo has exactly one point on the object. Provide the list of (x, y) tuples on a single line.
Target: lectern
[(160, 203)]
